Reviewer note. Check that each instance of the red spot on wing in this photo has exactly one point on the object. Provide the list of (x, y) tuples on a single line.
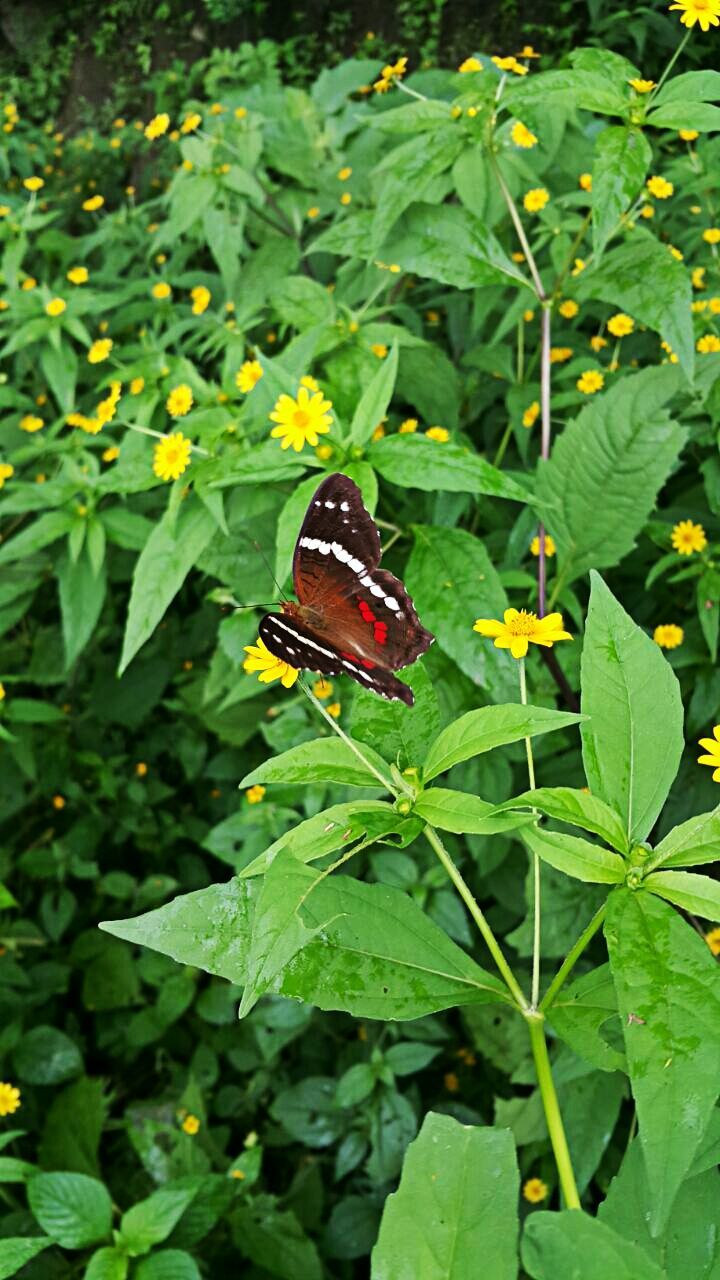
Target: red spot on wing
[(380, 632), (366, 612)]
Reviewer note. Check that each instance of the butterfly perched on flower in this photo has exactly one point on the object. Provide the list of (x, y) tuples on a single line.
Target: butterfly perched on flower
[(351, 618)]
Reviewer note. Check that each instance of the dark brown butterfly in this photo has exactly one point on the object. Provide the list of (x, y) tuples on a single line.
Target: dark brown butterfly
[(351, 617)]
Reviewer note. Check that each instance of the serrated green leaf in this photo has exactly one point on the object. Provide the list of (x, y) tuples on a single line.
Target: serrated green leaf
[(321, 760), (417, 462), (578, 808), (460, 812), (448, 244), (691, 844), (580, 1013), (575, 857), (72, 1208), (556, 1244), (490, 727), (698, 894), (374, 401), (620, 163), (17, 1250)]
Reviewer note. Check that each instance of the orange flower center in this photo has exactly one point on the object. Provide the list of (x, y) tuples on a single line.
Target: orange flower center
[(301, 418), (523, 625)]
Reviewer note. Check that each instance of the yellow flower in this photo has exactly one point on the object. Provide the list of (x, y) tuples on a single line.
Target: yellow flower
[(201, 299), (324, 452), (620, 325), (528, 316), (30, 423), (706, 12), (9, 1099), (161, 290), (712, 747), (217, 109), (136, 386), (2, 691), (58, 802), (301, 421), (709, 342), (313, 211), (535, 1190), (519, 629), (379, 431), (191, 122), (687, 537), (558, 355), (322, 688), (527, 51), (647, 211), (713, 940), (93, 203), (78, 275), (5, 210), (388, 75), (585, 181), (580, 265), (141, 768), (470, 64), (344, 173), (714, 305), (311, 383), (522, 136), (6, 471), (55, 307), (509, 64), (33, 184), (550, 547), (248, 375), (268, 667), (407, 427), (535, 199), (190, 1125), (712, 235), (379, 349), (568, 308), (334, 710), (531, 414), (111, 454), (100, 350), (590, 382), (688, 135), (597, 342), (255, 794), (440, 434), (676, 253), (171, 456), (642, 86), (668, 636), (157, 126), (240, 113), (659, 187), (346, 198), (180, 401)]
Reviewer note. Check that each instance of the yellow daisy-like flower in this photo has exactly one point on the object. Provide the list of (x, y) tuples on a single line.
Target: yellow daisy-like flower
[(157, 126), (711, 235), (568, 308), (535, 199), (687, 538), (78, 275), (9, 1098), (344, 173), (585, 181), (527, 51), (713, 940), (522, 136), (408, 427), (248, 375), (191, 122), (647, 211), (550, 547), (712, 747), (641, 86), (579, 266), (706, 12), (267, 666), (254, 795), (535, 1190), (688, 135), (668, 636), (379, 431), (470, 64), (324, 452), (313, 211), (334, 710), (589, 382), (301, 421), (441, 434), (620, 325), (55, 307), (322, 688), (171, 456), (6, 471), (136, 386), (33, 184), (519, 629), (201, 299), (180, 401), (379, 349), (111, 454), (531, 414), (346, 198), (714, 306), (597, 342), (100, 350), (708, 343), (558, 355), (311, 383), (93, 203), (509, 64), (161, 290), (659, 187), (190, 1124), (31, 423)]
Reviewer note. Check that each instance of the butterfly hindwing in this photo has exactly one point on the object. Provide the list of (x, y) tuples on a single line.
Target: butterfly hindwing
[(289, 640)]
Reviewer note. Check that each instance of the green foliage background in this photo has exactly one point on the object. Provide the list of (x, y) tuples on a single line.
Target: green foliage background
[(119, 794)]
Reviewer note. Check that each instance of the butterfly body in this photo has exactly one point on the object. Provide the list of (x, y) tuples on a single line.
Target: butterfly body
[(351, 618)]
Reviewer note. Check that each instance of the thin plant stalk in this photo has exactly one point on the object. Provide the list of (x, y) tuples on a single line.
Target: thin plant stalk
[(572, 958), (535, 998), (551, 1107)]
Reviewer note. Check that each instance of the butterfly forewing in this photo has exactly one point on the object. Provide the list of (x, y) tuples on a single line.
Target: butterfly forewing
[(337, 533)]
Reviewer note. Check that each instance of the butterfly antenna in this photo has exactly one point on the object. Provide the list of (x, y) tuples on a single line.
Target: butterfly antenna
[(268, 566)]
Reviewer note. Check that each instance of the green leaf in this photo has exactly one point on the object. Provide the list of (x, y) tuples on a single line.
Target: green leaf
[(686, 115), (461, 812), (46, 529), (16, 1251), (72, 1208), (669, 1000), (490, 727), (73, 1127), (429, 382), (334, 85), (630, 759), (582, 1011), (417, 462), (567, 1245), (449, 244), (107, 1263), (45, 1055), (693, 86), (578, 808), (321, 760), (60, 365), (620, 162), (575, 857), (82, 595), (302, 302), (341, 824), (692, 843), (163, 565), (606, 470), (698, 894), (373, 403), (643, 278), (168, 1264), (405, 173), (553, 90), (456, 1204), (403, 733), (15, 1170), (274, 1241), (151, 1220)]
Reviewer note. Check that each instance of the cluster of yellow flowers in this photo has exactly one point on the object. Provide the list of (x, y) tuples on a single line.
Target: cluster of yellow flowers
[(390, 75), (104, 413)]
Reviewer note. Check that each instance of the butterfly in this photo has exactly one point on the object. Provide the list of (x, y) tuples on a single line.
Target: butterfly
[(351, 618)]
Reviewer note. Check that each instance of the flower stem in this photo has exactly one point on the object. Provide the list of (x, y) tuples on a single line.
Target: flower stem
[(553, 1118), (348, 741), (535, 858), (670, 65), (520, 230), (468, 898), (572, 957), (157, 435)]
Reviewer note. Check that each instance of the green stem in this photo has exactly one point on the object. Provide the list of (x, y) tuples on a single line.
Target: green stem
[(157, 435), (348, 741), (553, 1118), (535, 858), (505, 440), (670, 65), (466, 894), (572, 957), (520, 230)]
